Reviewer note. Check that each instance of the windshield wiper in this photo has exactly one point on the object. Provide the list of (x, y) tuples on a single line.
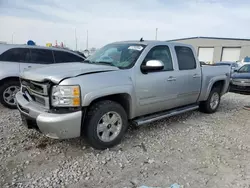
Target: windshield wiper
[(99, 62)]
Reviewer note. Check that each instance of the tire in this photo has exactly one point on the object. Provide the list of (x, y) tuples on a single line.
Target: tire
[(206, 107), (98, 125), (9, 88)]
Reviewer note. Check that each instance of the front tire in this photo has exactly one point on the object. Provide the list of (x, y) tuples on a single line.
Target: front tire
[(105, 125), (212, 103), (7, 93)]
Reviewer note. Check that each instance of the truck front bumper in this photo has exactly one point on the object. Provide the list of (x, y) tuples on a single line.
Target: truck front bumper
[(58, 126)]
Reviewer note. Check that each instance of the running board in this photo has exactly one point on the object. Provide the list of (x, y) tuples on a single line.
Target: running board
[(162, 115)]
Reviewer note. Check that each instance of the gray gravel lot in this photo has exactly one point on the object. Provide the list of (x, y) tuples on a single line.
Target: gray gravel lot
[(193, 150)]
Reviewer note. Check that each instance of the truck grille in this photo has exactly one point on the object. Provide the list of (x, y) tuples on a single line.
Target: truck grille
[(36, 92), (39, 88)]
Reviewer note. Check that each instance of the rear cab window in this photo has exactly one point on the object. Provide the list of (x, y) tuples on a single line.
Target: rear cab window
[(185, 57), (41, 56)]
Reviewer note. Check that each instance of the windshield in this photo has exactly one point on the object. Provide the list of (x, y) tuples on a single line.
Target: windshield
[(245, 68), (120, 55)]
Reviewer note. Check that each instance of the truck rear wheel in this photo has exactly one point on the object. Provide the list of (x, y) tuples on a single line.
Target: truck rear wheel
[(105, 125), (7, 93), (212, 103)]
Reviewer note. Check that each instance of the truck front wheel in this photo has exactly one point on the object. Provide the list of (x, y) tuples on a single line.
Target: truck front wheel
[(105, 124), (212, 103)]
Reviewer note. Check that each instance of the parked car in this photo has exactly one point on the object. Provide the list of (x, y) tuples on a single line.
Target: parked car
[(240, 80), (234, 66), (244, 61), (151, 80), (16, 58)]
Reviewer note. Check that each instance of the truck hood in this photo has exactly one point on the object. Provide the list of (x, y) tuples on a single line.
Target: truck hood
[(58, 72)]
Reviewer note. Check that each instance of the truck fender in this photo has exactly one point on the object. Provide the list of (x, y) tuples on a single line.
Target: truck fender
[(88, 98), (213, 81)]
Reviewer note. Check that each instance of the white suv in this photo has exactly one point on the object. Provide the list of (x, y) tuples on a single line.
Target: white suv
[(16, 58)]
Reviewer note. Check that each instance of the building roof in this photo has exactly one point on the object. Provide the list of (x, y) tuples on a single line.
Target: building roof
[(217, 38)]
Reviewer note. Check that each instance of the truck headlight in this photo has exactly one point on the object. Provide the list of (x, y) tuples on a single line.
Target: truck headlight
[(66, 96)]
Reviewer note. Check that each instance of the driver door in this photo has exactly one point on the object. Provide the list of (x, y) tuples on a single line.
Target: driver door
[(156, 91)]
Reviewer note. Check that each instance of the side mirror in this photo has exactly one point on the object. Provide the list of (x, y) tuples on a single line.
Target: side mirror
[(235, 70), (152, 65)]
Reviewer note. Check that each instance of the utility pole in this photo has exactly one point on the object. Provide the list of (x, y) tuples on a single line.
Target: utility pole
[(156, 30), (87, 42), (75, 39)]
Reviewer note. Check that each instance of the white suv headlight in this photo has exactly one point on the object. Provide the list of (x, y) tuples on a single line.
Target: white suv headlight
[(66, 96)]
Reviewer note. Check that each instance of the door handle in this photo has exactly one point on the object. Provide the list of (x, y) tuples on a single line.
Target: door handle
[(171, 78), (196, 76), (29, 66)]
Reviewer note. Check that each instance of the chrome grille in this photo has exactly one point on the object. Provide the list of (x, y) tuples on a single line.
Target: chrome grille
[(39, 88), (36, 92), (244, 80), (241, 82)]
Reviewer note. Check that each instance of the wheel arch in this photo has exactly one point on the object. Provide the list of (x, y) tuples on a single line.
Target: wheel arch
[(16, 78), (124, 99), (221, 83)]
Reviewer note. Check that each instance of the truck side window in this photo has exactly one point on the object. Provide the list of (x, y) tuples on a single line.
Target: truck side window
[(16, 55), (41, 56), (185, 58), (161, 53)]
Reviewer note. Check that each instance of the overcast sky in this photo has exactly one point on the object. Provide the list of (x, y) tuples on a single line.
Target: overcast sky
[(115, 20)]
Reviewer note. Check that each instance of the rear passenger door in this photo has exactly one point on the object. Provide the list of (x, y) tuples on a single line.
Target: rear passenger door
[(188, 76), (63, 57), (38, 58)]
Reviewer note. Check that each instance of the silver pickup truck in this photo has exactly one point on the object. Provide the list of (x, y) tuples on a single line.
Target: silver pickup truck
[(132, 82)]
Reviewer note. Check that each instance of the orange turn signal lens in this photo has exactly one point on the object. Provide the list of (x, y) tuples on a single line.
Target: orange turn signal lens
[(76, 101), (76, 91)]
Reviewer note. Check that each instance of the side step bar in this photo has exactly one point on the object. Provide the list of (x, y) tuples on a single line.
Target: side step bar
[(162, 115)]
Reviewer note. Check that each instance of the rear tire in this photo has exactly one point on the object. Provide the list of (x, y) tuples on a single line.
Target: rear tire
[(7, 93), (212, 103), (105, 124)]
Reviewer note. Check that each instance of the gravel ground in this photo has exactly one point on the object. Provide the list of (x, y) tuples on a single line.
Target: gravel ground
[(193, 150)]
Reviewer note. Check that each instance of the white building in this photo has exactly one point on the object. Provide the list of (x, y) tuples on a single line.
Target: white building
[(212, 49)]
